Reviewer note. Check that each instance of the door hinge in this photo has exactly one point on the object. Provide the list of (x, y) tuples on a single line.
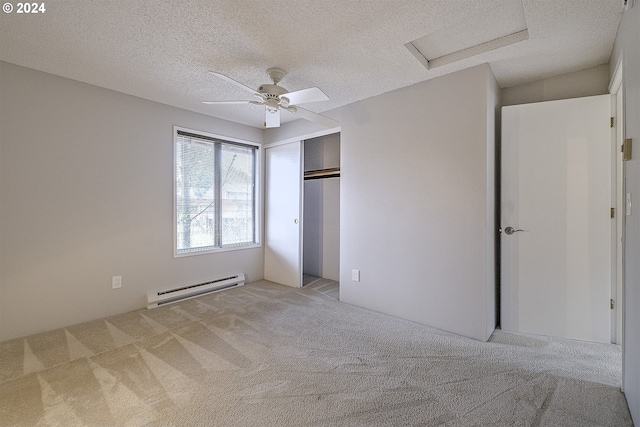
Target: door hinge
[(613, 121), (611, 303), (613, 212), (626, 149)]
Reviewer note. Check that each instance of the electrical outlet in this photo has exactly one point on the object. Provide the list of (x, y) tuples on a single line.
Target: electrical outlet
[(116, 282), (355, 275)]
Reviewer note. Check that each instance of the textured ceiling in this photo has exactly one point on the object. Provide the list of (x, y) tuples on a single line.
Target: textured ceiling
[(351, 49)]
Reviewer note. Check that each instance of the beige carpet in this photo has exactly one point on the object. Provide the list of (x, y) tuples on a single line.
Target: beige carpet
[(268, 355)]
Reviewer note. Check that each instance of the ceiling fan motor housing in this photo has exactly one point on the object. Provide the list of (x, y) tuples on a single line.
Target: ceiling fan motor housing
[(271, 94), (269, 90)]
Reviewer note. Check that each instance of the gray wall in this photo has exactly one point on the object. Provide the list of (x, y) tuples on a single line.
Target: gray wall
[(417, 217), (587, 82), (321, 228), (322, 152), (86, 184), (627, 44)]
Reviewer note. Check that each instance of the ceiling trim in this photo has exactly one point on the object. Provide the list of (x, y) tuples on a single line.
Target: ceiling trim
[(468, 52)]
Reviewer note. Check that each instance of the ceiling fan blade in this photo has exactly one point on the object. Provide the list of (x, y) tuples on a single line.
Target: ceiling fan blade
[(271, 117), (315, 117), (237, 84), (225, 102), (312, 94)]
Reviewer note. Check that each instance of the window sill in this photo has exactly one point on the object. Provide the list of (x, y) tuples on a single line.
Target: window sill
[(216, 250)]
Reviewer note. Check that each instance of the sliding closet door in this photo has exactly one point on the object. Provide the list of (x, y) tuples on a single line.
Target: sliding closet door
[(283, 210)]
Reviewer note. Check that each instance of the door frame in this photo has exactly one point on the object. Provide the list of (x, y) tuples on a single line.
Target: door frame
[(297, 139), (616, 88)]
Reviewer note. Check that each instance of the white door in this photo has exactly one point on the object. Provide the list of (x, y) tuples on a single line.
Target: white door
[(282, 256), (556, 186)]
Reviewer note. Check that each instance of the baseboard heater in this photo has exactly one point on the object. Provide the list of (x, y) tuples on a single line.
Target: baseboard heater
[(159, 298)]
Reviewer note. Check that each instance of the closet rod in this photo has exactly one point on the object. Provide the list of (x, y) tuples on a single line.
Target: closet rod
[(322, 173)]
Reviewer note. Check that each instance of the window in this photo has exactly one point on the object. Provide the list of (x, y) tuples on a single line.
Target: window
[(215, 193)]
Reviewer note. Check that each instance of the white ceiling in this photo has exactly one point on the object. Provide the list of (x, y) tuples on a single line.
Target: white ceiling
[(351, 49)]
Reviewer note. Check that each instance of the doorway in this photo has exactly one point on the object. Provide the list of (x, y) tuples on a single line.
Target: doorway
[(321, 214)]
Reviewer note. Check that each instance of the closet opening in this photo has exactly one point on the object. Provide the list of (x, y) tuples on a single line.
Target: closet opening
[(321, 215)]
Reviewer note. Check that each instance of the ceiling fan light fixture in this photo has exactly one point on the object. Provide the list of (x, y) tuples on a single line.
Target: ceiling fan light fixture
[(271, 117)]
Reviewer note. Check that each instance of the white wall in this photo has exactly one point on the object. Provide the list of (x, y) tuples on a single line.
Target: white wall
[(86, 183), (587, 82), (300, 129), (627, 44), (417, 217)]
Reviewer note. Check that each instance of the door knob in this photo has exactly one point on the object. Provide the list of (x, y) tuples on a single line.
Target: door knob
[(510, 230)]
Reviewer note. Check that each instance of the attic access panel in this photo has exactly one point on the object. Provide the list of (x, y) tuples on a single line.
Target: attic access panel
[(482, 32)]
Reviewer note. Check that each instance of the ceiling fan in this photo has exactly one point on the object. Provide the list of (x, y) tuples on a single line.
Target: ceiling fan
[(274, 98)]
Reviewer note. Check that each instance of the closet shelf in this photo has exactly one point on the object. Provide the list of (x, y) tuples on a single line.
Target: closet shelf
[(322, 173)]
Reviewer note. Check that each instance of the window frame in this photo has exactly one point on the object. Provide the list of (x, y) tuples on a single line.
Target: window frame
[(257, 203)]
